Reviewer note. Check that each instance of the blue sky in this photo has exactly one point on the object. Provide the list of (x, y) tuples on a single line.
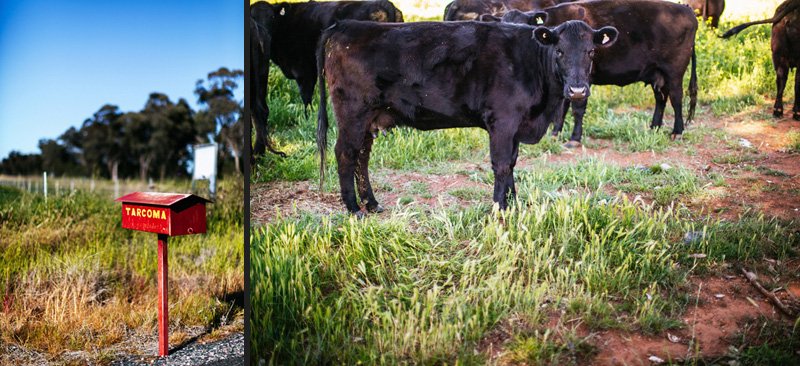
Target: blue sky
[(60, 61)]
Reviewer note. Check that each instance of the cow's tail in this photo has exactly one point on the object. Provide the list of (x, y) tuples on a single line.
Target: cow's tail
[(735, 30), (692, 87), (783, 10), (322, 113)]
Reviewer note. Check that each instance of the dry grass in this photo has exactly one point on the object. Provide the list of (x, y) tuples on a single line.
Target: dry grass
[(74, 280)]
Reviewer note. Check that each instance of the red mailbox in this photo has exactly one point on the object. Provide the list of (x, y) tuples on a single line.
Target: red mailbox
[(166, 214)]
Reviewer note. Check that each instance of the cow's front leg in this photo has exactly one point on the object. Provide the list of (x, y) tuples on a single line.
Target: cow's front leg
[(503, 148), (362, 176), (578, 111), (558, 123), (661, 104)]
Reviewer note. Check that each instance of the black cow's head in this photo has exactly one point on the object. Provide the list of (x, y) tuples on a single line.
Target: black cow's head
[(574, 43)]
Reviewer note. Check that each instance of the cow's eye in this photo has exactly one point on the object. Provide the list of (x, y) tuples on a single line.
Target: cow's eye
[(559, 53), (591, 53)]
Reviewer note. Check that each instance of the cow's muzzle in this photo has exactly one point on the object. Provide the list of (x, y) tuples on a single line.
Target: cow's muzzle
[(577, 93)]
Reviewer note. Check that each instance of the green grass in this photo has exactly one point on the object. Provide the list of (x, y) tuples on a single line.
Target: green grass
[(794, 141), (73, 280), (427, 286)]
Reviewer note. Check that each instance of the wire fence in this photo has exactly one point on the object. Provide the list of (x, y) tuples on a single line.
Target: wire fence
[(59, 186)]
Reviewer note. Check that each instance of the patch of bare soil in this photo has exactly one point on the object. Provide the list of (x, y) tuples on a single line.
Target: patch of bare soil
[(392, 189), (268, 200), (723, 311), (428, 190), (724, 307)]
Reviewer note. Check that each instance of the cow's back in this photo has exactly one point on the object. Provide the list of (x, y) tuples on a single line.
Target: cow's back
[(473, 9), (432, 74)]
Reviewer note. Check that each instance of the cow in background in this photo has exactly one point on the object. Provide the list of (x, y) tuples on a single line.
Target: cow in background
[(288, 35), (785, 50), (655, 46), (473, 9), (708, 9), (261, 19), (298, 27)]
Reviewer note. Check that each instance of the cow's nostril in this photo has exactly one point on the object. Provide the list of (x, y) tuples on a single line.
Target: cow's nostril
[(581, 90)]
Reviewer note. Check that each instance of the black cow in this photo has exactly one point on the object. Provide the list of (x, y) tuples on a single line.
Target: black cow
[(298, 27), (439, 75), (294, 30), (785, 50), (473, 9), (261, 18), (708, 9), (655, 46)]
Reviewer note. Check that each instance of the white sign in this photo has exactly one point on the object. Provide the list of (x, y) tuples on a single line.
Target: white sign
[(205, 162), (205, 166)]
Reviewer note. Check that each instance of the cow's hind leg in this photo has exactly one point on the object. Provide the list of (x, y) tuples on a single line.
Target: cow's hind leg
[(352, 128), (503, 148), (781, 76), (676, 99), (578, 111), (362, 176)]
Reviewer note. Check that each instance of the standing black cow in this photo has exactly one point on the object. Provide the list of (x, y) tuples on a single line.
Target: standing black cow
[(785, 50), (261, 18), (708, 9), (447, 75), (290, 37), (473, 9), (655, 46)]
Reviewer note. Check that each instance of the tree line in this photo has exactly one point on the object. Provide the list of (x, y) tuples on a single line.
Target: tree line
[(154, 142)]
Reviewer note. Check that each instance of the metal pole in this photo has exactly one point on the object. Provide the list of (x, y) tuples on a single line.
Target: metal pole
[(163, 297), (45, 186)]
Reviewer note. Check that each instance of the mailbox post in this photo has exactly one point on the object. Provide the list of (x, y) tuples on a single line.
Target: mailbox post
[(166, 214)]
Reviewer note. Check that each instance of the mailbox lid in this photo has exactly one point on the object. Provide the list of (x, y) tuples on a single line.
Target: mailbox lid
[(160, 199)]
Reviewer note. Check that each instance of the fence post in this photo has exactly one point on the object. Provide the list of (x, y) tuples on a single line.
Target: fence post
[(44, 185)]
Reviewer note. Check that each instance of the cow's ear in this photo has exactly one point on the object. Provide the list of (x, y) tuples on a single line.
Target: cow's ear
[(488, 18), (605, 36), (538, 18), (516, 16), (545, 36)]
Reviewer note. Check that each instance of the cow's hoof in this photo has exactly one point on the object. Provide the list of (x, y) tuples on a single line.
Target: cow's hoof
[(359, 215), (555, 133), (572, 144), (375, 209), (778, 113), (676, 137)]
